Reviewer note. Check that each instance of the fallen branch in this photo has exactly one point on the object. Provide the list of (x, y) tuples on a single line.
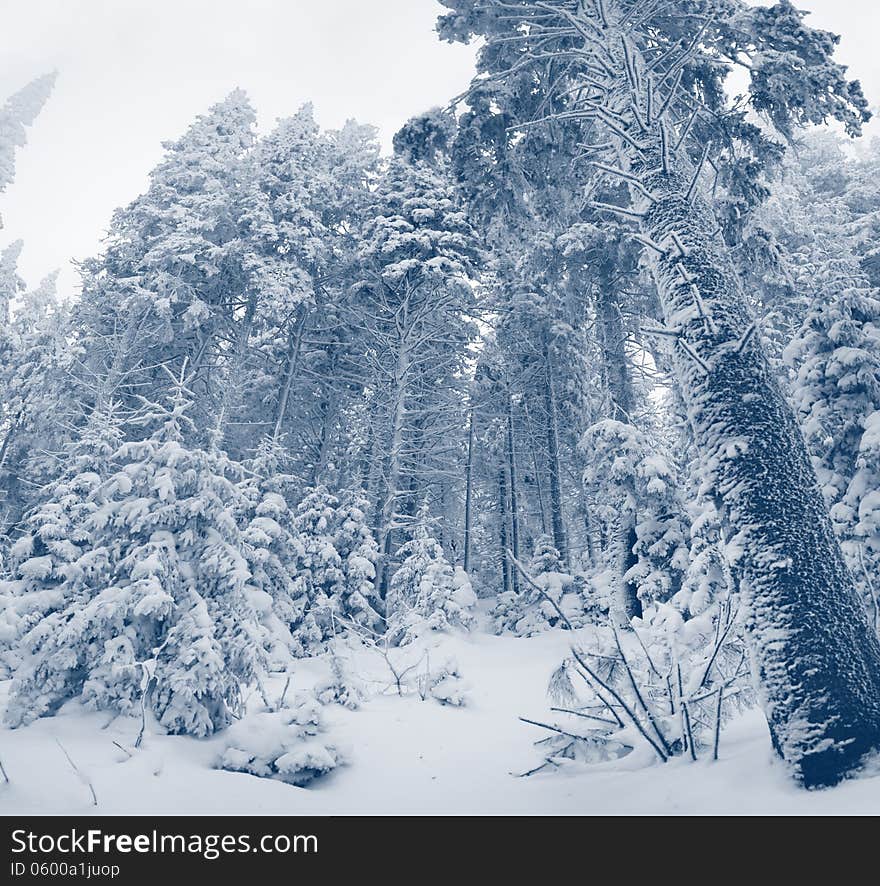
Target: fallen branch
[(124, 750)]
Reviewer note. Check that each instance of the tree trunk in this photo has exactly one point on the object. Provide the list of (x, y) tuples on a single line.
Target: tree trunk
[(628, 604), (618, 380), (618, 383), (502, 535), (557, 520), (395, 447), (468, 493), (539, 487), (292, 368), (514, 506), (816, 658)]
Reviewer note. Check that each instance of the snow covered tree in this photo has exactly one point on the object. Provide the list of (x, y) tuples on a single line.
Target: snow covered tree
[(659, 70), (547, 591), (545, 557), (336, 569), (319, 570), (10, 285), (18, 112), (58, 561), (273, 547), (836, 355), (169, 624), (357, 600), (37, 402), (635, 496), (426, 593), (308, 192), (176, 279), (10, 282), (416, 305)]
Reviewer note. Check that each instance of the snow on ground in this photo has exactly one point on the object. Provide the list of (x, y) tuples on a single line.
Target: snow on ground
[(409, 756)]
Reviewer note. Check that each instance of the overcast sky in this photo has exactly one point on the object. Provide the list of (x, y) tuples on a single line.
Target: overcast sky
[(133, 73)]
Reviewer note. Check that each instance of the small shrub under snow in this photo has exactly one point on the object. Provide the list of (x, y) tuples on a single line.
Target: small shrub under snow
[(285, 745)]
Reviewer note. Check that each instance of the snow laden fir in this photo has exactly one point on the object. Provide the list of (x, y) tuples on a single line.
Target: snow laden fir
[(595, 352)]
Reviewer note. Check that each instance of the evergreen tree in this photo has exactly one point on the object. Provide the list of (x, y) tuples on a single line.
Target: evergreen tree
[(634, 489), (18, 112), (171, 625), (273, 547), (176, 278), (58, 560), (426, 593), (336, 569), (416, 305), (37, 403), (823, 717)]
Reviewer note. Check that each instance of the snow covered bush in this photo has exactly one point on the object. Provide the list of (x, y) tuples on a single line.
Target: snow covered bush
[(665, 686), (427, 593), (287, 745), (170, 599), (529, 611), (343, 685), (443, 682), (58, 561), (335, 570), (634, 490)]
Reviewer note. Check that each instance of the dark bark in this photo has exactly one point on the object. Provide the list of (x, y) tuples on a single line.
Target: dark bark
[(514, 505), (629, 603), (616, 367), (468, 493), (557, 519), (619, 386), (503, 561), (816, 657)]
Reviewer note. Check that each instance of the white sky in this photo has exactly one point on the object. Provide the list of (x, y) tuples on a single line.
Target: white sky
[(133, 73)]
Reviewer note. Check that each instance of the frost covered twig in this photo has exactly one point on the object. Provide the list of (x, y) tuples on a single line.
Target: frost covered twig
[(79, 774)]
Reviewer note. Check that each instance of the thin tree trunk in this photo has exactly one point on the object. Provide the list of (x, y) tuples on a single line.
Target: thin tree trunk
[(366, 478), (502, 536), (468, 493), (292, 369), (618, 380), (628, 602), (557, 519), (395, 447), (514, 505), (539, 487), (588, 535), (618, 383)]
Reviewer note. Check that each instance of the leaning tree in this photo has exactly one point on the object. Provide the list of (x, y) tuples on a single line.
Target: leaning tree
[(645, 80)]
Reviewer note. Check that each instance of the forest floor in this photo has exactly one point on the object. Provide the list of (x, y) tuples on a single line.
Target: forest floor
[(407, 756)]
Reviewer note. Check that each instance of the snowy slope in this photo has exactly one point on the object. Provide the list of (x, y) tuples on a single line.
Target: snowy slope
[(409, 756)]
